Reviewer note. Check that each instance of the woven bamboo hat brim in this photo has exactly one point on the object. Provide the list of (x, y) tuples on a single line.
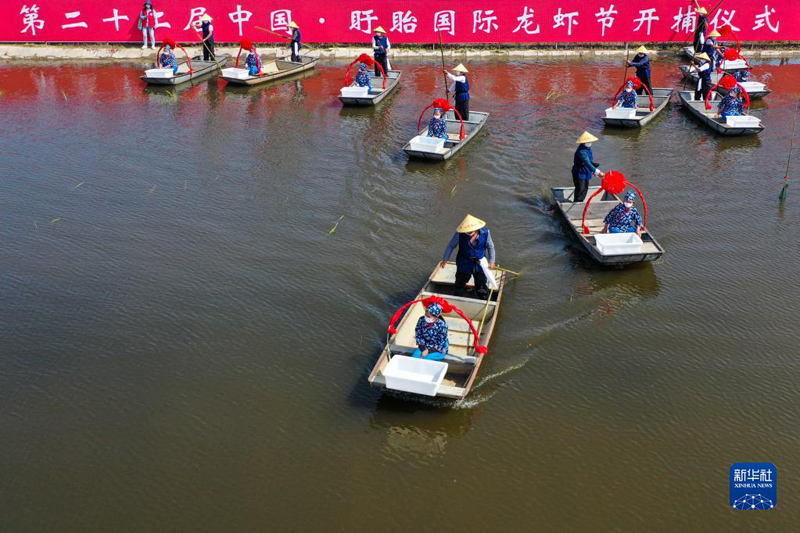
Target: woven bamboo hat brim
[(714, 33), (586, 137), (470, 224), (702, 11), (206, 18), (293, 24), (380, 29), (702, 55), (461, 68), (642, 50)]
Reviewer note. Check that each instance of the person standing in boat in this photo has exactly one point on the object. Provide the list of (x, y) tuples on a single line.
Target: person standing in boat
[(701, 29), (380, 49), (437, 127), (167, 59), (460, 90), (431, 334), (363, 78), (147, 23), (712, 49), (295, 42), (583, 166), (627, 99), (204, 24), (731, 104), (624, 217), (703, 69), (641, 61), (253, 62), (474, 243)]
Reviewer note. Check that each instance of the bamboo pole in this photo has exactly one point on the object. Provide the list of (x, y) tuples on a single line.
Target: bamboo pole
[(444, 74)]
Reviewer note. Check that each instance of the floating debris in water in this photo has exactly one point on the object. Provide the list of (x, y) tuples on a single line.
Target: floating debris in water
[(55, 220), (64, 94), (35, 226), (453, 190), (333, 229), (78, 185), (154, 188)]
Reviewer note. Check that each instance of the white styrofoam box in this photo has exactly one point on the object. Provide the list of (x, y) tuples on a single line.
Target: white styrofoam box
[(355, 92), (618, 243), (236, 73), (620, 112), (752, 86), (743, 121), (423, 143), (411, 374), (734, 65), (159, 73)]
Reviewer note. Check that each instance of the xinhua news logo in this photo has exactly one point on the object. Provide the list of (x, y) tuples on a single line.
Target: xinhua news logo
[(754, 486)]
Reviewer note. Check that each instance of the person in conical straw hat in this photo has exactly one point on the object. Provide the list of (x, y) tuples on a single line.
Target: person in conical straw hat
[(703, 69), (460, 89), (380, 50), (712, 49), (641, 61), (475, 245), (295, 43), (701, 28), (583, 166), (204, 25)]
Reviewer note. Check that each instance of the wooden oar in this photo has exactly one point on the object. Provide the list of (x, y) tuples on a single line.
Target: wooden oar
[(785, 189), (444, 74), (625, 69), (501, 269), (281, 36), (485, 311)]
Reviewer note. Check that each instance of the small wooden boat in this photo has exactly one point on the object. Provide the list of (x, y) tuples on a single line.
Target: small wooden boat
[(360, 96), (270, 71), (435, 149), (755, 90), (744, 125), (572, 214), (642, 115), (462, 361), (199, 68)]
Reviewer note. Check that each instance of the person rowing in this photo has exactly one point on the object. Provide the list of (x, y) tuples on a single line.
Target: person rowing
[(628, 98), (431, 334), (460, 89), (703, 69), (583, 166), (437, 127), (475, 246), (167, 59), (295, 43), (624, 217), (641, 61), (701, 28), (363, 79), (712, 49), (380, 49)]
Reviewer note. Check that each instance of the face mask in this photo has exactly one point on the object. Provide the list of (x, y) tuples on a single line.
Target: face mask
[(628, 89), (628, 205), (588, 145), (429, 320)]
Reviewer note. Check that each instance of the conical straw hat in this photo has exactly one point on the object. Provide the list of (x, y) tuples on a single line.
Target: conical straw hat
[(380, 29), (702, 11), (586, 137), (206, 18), (702, 55), (293, 24), (460, 68), (641, 50), (714, 33), (470, 224)]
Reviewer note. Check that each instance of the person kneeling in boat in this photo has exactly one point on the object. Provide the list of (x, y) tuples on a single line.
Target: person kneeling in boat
[(628, 98), (437, 127), (742, 75), (431, 335), (474, 243), (253, 62), (624, 218), (583, 168), (731, 104), (168, 60), (363, 78)]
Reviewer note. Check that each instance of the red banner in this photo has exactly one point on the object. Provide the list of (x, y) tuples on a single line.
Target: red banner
[(410, 21)]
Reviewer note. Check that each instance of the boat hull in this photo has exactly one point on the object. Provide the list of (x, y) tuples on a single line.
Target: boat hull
[(661, 98), (286, 69), (392, 82), (718, 127), (200, 68), (472, 127), (754, 95)]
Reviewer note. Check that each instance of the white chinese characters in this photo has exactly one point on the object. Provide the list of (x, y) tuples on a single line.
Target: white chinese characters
[(560, 17), (526, 21), (31, 19), (404, 22), (362, 21)]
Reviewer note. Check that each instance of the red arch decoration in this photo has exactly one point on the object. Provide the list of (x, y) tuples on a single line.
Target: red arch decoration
[(445, 106), (613, 183), (637, 83), (728, 82), (173, 44), (732, 55), (363, 58), (727, 31), (447, 307)]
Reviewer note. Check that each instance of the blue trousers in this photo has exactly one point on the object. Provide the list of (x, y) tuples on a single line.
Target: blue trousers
[(253, 71), (433, 356), (629, 229)]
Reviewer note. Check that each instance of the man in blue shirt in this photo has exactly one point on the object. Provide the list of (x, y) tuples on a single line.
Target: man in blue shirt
[(583, 167), (474, 243), (641, 62)]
